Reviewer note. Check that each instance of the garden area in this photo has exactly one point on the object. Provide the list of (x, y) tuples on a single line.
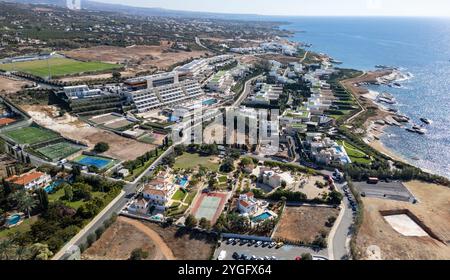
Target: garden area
[(51, 220)]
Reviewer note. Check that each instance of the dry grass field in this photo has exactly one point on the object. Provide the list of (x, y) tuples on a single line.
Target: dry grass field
[(433, 210)]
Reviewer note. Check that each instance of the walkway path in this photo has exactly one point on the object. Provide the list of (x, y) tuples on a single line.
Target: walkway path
[(159, 242)]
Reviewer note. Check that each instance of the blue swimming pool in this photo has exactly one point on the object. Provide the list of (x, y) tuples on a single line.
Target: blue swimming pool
[(13, 219), (51, 188), (261, 217), (98, 162), (209, 101), (182, 181)]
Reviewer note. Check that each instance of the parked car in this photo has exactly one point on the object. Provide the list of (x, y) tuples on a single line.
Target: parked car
[(280, 244), (231, 240), (273, 258), (259, 243), (235, 256), (272, 244), (243, 257), (253, 258), (267, 258)]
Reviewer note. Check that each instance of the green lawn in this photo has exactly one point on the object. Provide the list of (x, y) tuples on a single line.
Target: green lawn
[(23, 227), (74, 204), (31, 135), (179, 195), (354, 153), (191, 161), (188, 200), (58, 67)]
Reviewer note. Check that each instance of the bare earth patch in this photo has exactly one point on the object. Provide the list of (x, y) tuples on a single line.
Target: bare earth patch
[(304, 223), (119, 240), (433, 210), (71, 127), (137, 57), (185, 246), (10, 85)]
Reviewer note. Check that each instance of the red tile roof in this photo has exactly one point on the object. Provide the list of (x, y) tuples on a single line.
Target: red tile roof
[(24, 179)]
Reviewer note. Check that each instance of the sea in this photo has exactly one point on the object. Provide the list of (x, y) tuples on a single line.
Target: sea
[(419, 47)]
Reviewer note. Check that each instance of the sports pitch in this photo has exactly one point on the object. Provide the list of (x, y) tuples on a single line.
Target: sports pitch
[(58, 150), (99, 162), (58, 67), (209, 206), (31, 135)]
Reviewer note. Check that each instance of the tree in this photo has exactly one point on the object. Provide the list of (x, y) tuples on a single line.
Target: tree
[(138, 254), (227, 166), (68, 192), (205, 224), (283, 184), (25, 202), (334, 197), (6, 247), (190, 222), (43, 199), (101, 147), (76, 171), (116, 75), (306, 257), (40, 251)]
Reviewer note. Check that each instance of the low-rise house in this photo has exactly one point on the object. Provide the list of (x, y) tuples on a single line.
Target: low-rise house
[(158, 192), (30, 181), (274, 179), (140, 205), (247, 203)]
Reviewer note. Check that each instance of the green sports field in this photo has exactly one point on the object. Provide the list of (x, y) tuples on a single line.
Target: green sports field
[(31, 135), (58, 150), (58, 67)]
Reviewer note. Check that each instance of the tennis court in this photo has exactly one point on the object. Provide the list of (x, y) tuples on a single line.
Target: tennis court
[(209, 206), (59, 150), (99, 162)]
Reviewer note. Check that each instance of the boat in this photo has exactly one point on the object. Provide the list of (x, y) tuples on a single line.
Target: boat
[(417, 129), (425, 120)]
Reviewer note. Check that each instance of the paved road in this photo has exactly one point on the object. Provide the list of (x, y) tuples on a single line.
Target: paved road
[(287, 252), (245, 92), (342, 235)]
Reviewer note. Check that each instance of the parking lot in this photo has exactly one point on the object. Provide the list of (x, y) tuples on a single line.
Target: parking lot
[(286, 252), (394, 190)]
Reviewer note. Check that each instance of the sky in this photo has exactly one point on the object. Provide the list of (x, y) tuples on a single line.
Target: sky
[(302, 7)]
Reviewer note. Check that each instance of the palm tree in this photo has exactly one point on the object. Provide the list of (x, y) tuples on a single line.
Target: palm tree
[(25, 202), (6, 247)]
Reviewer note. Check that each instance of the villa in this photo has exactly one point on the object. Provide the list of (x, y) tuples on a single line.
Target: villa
[(326, 151), (274, 179), (158, 192), (247, 204), (30, 181), (140, 206)]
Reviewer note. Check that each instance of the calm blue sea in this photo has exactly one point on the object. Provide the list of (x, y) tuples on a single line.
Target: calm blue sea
[(420, 46)]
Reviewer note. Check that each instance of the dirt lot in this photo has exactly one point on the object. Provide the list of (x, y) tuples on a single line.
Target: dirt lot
[(433, 210), (185, 246), (310, 188), (71, 127), (120, 239), (304, 223), (10, 85), (138, 58)]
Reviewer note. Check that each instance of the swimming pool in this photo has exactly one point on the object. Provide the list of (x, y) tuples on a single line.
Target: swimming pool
[(261, 217), (209, 101), (182, 181), (13, 219), (98, 162), (50, 188)]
